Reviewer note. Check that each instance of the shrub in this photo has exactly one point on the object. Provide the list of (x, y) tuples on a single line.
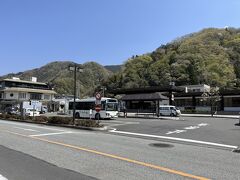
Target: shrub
[(15, 116), (55, 120), (10, 116), (59, 120), (88, 123), (2, 116), (41, 119), (30, 118)]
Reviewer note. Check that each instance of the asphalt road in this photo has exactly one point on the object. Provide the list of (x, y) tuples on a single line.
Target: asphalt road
[(215, 130), (20, 166), (102, 155)]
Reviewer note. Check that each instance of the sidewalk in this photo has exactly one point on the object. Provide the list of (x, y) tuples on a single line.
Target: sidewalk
[(209, 115), (153, 116)]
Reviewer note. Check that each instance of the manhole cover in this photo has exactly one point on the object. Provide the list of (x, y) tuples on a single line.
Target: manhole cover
[(236, 150), (161, 145)]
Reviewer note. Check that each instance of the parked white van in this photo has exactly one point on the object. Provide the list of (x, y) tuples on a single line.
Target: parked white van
[(167, 110)]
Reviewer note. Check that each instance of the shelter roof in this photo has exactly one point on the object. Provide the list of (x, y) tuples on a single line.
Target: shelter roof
[(144, 96), (152, 89)]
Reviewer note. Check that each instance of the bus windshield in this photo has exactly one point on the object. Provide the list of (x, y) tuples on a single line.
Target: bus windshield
[(111, 107)]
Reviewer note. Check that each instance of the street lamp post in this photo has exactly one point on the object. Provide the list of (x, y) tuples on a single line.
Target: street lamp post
[(103, 90), (75, 68)]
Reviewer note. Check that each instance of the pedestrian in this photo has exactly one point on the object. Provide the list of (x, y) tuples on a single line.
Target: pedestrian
[(125, 112)]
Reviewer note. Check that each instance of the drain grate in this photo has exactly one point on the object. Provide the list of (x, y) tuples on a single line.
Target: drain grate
[(161, 145)]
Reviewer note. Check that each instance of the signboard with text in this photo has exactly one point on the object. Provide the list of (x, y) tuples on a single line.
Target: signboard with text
[(98, 108), (98, 96)]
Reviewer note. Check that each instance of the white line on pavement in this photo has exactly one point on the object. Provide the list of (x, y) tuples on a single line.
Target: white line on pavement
[(50, 134), (28, 125), (203, 124), (2, 178), (177, 131), (124, 122), (33, 130), (176, 139), (112, 124), (187, 128), (192, 127)]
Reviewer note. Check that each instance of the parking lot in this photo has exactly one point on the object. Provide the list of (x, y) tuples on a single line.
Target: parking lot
[(206, 129)]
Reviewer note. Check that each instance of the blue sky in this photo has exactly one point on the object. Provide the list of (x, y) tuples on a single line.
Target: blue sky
[(36, 32)]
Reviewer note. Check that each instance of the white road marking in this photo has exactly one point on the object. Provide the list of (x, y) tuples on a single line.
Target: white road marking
[(28, 125), (192, 127), (177, 131), (112, 125), (2, 178), (187, 128), (125, 122), (176, 139), (118, 123), (33, 130), (50, 134), (203, 124)]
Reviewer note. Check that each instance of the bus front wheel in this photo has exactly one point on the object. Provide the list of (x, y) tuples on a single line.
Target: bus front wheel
[(77, 115), (97, 116)]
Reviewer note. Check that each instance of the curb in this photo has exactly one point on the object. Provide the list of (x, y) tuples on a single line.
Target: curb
[(209, 116), (149, 117), (184, 115), (61, 125)]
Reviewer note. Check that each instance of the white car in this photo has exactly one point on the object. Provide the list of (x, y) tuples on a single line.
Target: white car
[(31, 112), (167, 110)]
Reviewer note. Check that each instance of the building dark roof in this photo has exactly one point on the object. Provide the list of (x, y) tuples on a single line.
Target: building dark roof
[(144, 96), (166, 91)]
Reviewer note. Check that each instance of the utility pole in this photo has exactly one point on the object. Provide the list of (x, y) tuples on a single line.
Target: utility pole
[(103, 91), (74, 93), (75, 68)]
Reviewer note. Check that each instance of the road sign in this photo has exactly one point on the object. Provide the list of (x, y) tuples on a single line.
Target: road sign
[(98, 96), (98, 108), (97, 102)]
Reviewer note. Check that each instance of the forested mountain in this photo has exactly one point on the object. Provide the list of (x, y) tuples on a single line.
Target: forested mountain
[(211, 56), (114, 68), (59, 77)]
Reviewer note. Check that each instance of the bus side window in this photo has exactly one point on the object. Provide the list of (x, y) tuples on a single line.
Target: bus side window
[(78, 104)]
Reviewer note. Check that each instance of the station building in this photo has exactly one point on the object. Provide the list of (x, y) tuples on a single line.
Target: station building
[(187, 98), (146, 100)]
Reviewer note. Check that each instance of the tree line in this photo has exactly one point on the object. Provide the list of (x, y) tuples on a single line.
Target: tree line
[(211, 56)]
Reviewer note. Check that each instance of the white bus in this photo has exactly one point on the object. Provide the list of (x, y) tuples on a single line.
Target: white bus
[(85, 108)]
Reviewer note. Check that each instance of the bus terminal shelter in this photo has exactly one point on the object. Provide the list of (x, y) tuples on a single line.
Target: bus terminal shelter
[(143, 103), (147, 99)]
